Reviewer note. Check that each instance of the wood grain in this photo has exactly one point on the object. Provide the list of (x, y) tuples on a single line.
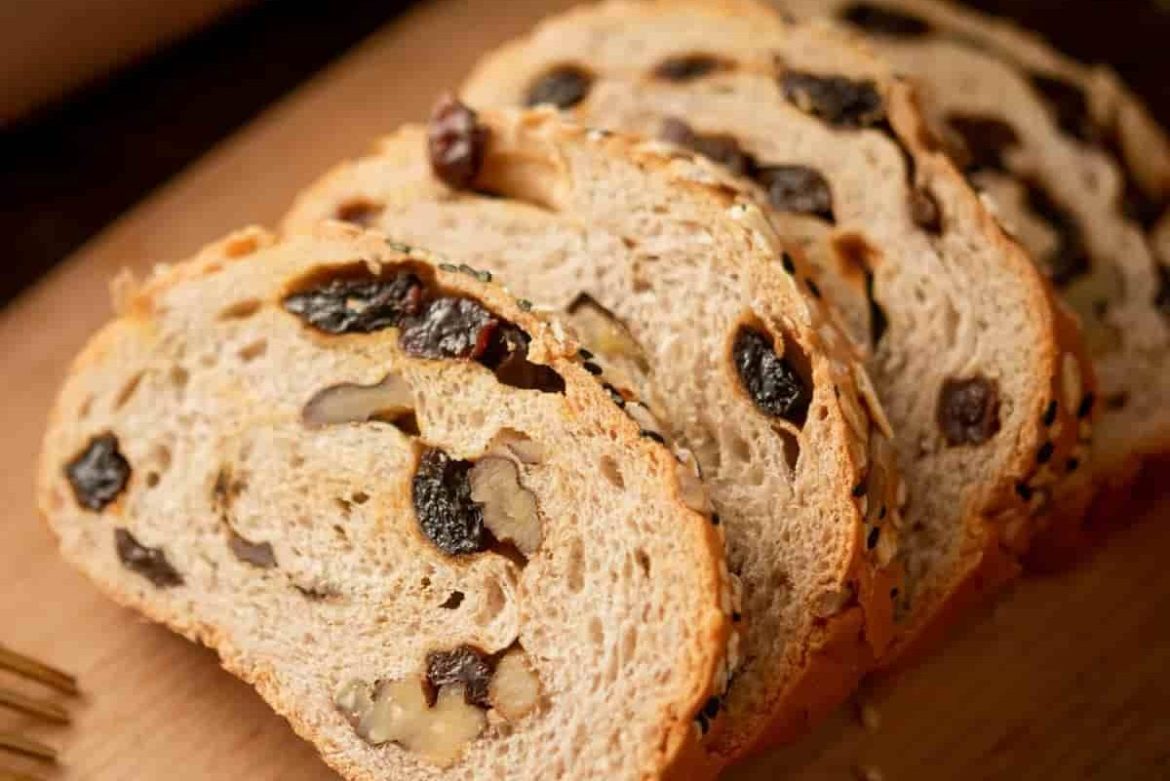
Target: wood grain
[(1068, 677)]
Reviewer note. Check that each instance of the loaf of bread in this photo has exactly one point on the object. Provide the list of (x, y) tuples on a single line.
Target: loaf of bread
[(1079, 172), (662, 265), (981, 374), (402, 506)]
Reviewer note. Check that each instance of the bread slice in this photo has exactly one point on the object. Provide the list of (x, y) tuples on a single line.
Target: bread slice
[(661, 262), (1076, 167), (981, 375), (401, 506)]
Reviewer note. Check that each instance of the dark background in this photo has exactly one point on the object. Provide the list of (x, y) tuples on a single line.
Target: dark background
[(71, 168)]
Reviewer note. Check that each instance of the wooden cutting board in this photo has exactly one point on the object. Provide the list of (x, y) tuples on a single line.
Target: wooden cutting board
[(1068, 677)]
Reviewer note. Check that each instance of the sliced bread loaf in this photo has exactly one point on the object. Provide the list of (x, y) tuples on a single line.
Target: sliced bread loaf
[(402, 507), (664, 266), (981, 374), (1079, 172)]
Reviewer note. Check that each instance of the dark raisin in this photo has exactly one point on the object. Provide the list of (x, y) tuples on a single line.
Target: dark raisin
[(453, 601), (359, 212), (871, 539), (98, 473), (715, 519), (717, 147), (924, 210), (465, 665), (884, 21), (584, 354), (359, 304), (835, 99), (859, 490), (1024, 491), (1162, 294), (1070, 258), (813, 288), (455, 142), (770, 380), (1086, 406), (1049, 416), (564, 86), (711, 707), (441, 491), (1072, 464), (1068, 104), (1140, 207), (592, 368), (985, 140), (798, 189), (968, 411), (258, 554), (787, 262), (686, 67), (150, 563), (450, 328), (1044, 454), (736, 617), (878, 323)]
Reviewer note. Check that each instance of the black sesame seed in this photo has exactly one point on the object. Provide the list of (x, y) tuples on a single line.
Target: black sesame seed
[(1072, 464), (882, 513), (448, 267), (859, 490), (1024, 490), (711, 707), (524, 304), (585, 354), (812, 288), (714, 519), (653, 435), (592, 368), (1050, 413), (704, 724), (484, 276), (1086, 407), (871, 539), (786, 260), (736, 617), (1044, 454), (466, 269)]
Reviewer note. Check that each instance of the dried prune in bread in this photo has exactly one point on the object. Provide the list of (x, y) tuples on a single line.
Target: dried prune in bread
[(687, 67), (985, 140), (718, 147), (798, 189), (98, 473), (876, 20)]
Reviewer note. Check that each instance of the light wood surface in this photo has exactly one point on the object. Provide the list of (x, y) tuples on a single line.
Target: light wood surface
[(1069, 677)]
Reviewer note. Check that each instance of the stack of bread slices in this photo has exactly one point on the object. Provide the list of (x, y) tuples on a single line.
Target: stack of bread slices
[(692, 362)]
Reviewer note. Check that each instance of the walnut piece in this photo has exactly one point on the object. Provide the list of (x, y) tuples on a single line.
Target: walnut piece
[(352, 403), (515, 689), (509, 510), (398, 712)]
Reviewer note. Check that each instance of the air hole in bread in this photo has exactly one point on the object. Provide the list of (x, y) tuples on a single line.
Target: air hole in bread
[(253, 350), (596, 632), (85, 407), (612, 472), (491, 603), (643, 560), (126, 392), (574, 566), (240, 309), (179, 377)]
